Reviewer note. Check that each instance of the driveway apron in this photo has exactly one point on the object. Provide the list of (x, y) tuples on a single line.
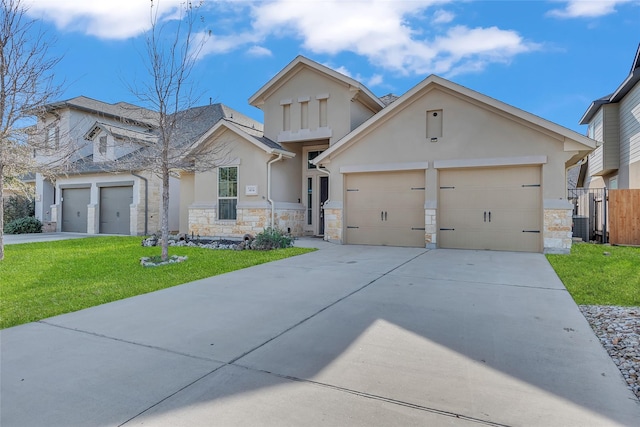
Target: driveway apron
[(347, 335)]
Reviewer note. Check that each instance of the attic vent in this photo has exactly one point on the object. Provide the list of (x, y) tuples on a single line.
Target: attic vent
[(434, 125), (93, 132)]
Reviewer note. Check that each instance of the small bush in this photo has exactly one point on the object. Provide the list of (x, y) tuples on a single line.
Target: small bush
[(272, 238), (16, 207), (24, 225)]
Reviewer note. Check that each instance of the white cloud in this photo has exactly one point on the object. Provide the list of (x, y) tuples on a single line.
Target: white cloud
[(375, 80), (586, 8), (382, 32), (442, 17), (259, 51), (408, 37), (113, 19)]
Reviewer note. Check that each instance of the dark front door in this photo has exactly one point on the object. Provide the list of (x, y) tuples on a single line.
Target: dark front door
[(324, 195)]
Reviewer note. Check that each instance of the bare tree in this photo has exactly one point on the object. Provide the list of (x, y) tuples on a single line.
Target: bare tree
[(171, 51), (26, 86)]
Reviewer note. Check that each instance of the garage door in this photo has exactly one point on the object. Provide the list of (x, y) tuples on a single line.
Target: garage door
[(114, 209), (385, 208), (498, 209), (74, 209)]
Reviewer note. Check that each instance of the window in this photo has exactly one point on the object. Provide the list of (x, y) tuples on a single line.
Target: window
[(102, 145), (52, 138), (591, 131), (310, 156), (227, 192), (309, 201)]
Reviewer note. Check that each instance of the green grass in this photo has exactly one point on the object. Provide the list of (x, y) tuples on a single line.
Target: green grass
[(593, 278), (39, 280)]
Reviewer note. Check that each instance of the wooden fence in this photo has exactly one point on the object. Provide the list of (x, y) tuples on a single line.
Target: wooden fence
[(624, 217)]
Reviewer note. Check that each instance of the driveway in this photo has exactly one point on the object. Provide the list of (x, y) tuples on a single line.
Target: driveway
[(10, 239), (347, 335)]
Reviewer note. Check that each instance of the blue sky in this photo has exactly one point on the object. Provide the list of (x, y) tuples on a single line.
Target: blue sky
[(551, 58)]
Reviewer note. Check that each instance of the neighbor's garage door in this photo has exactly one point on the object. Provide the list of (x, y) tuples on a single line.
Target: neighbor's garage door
[(114, 209), (74, 209), (385, 208), (498, 209)]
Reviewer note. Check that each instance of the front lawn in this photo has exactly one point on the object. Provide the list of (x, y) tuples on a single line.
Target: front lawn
[(39, 280), (595, 278)]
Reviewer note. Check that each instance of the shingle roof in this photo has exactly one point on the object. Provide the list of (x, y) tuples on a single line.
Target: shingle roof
[(120, 110), (195, 122), (388, 98)]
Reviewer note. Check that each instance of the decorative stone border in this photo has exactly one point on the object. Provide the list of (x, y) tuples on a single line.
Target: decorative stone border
[(147, 262)]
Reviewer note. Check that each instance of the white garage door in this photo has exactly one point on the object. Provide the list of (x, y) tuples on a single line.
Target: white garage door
[(497, 208), (385, 208)]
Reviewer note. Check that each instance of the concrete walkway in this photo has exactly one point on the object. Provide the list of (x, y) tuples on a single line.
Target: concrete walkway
[(347, 335)]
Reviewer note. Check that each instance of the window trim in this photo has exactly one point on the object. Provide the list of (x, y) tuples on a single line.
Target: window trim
[(237, 184)]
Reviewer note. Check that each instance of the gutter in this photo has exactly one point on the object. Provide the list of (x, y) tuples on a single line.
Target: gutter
[(269, 186), (146, 202)]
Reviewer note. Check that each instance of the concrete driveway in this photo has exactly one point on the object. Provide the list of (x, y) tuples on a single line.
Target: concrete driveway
[(10, 239), (347, 335)]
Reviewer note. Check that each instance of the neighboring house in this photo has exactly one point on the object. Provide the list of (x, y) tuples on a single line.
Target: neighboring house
[(614, 121), (101, 193), (441, 166)]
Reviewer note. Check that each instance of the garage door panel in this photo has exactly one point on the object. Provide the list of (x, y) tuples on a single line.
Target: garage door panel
[(75, 202), (490, 208), (115, 205), (385, 208)]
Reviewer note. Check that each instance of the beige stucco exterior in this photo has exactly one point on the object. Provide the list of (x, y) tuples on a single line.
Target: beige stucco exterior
[(356, 135), (199, 190), (476, 133)]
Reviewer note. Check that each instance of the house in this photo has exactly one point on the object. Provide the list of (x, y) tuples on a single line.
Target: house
[(614, 121), (101, 192), (442, 166)]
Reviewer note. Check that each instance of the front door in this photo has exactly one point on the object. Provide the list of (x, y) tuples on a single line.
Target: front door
[(315, 192), (324, 195)]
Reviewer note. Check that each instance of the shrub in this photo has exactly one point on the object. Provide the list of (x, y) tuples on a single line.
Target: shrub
[(16, 207), (27, 224), (272, 238)]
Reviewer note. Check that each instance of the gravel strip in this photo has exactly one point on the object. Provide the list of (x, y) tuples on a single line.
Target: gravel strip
[(618, 329)]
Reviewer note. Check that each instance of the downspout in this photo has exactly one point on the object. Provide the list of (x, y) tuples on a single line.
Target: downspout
[(146, 202), (326, 237), (269, 187)]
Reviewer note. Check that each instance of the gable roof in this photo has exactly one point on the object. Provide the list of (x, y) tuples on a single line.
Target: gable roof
[(120, 132), (567, 136), (193, 123), (620, 92), (300, 63), (257, 139)]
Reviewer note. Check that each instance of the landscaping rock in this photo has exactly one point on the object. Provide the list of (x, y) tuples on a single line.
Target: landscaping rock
[(618, 329)]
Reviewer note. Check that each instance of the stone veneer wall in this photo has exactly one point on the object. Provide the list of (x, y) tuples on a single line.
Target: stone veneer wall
[(430, 228), (557, 230), (333, 224), (203, 221)]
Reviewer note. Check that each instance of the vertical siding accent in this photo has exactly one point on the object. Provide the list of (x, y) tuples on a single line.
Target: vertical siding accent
[(611, 137), (630, 127)]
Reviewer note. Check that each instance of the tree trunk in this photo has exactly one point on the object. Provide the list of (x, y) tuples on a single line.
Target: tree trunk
[(165, 212), (1, 211)]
